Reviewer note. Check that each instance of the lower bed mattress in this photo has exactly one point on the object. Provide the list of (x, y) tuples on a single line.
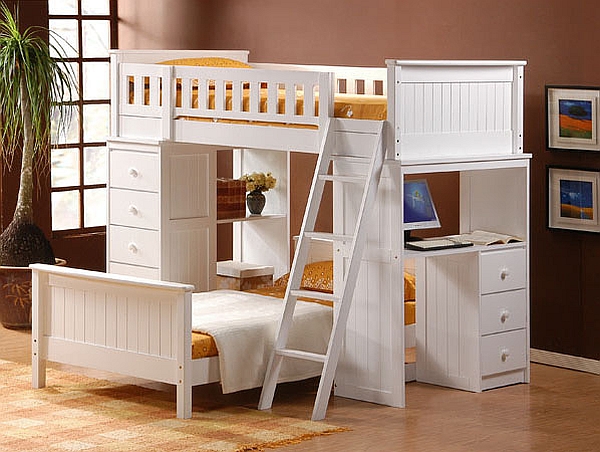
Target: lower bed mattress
[(317, 276)]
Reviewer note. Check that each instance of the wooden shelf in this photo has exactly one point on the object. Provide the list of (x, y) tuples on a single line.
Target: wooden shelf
[(251, 218)]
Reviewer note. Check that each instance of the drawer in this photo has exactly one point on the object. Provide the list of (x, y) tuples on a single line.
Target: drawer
[(133, 270), (503, 311), (503, 270), (134, 170), (503, 352), (134, 208), (134, 246)]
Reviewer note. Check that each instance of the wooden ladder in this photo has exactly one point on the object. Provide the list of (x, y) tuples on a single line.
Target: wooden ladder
[(342, 298)]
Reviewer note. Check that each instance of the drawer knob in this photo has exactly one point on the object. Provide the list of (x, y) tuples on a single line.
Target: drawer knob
[(505, 355), (504, 315), (133, 172), (133, 210), (133, 247), (504, 273)]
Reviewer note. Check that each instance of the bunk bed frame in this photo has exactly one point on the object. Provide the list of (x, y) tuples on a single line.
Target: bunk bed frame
[(438, 112)]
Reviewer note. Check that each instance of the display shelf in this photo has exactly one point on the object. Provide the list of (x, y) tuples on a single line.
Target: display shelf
[(251, 218)]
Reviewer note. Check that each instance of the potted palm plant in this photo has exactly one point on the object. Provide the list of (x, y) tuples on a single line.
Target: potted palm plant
[(35, 91)]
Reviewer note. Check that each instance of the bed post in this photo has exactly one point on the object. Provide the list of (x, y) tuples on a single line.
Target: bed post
[(39, 280), (183, 326)]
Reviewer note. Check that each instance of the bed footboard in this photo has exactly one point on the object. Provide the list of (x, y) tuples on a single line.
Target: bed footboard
[(131, 326)]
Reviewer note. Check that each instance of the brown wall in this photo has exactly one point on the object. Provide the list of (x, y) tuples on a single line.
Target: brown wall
[(558, 39)]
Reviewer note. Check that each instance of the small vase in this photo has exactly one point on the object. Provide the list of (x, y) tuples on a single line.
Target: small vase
[(255, 200)]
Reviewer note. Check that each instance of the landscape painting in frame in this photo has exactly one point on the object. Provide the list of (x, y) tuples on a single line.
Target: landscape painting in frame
[(573, 199), (572, 118)]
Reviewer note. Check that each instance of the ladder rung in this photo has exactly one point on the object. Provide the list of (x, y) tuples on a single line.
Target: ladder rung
[(301, 354), (350, 159), (315, 295), (329, 236), (338, 178)]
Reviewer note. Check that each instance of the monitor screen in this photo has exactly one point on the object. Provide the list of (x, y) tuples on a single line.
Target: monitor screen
[(419, 211)]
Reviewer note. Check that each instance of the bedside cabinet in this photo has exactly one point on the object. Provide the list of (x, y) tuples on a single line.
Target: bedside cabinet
[(472, 319)]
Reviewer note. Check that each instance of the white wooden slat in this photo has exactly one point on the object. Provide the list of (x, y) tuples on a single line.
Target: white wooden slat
[(254, 98), (155, 88), (143, 328), (69, 315), (111, 321), (89, 309), (100, 319), (446, 111), (219, 100), (272, 98), (464, 104), (455, 117), (165, 331), (154, 328), (310, 102), (483, 107), (186, 93), (122, 322), (428, 107), (437, 108), (58, 312), (138, 90), (132, 324), (237, 96)]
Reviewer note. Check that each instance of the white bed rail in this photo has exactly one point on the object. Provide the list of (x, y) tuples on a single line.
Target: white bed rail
[(348, 79), (247, 96), (114, 323)]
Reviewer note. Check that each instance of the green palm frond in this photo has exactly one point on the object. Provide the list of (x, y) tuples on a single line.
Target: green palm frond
[(26, 58)]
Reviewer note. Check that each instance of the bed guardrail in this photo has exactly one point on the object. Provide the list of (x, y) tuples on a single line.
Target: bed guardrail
[(292, 98)]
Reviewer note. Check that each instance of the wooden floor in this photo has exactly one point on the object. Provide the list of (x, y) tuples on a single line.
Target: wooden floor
[(558, 411)]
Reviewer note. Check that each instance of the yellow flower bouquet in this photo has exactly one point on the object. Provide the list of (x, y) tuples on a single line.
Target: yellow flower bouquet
[(259, 181)]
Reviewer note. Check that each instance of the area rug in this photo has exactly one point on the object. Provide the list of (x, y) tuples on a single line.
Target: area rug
[(78, 413)]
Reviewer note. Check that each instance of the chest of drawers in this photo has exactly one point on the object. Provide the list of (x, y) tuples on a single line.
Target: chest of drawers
[(161, 211)]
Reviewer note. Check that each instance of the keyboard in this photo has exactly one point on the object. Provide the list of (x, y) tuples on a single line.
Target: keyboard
[(436, 244)]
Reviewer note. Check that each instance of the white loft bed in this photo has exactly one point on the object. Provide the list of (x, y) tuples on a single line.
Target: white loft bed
[(437, 112)]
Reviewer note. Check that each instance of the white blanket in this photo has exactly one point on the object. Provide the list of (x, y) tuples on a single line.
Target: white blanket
[(244, 326)]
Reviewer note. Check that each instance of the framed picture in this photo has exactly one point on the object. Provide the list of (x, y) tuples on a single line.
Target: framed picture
[(572, 118), (573, 199)]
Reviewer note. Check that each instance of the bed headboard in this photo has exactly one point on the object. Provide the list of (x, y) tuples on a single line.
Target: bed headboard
[(461, 109)]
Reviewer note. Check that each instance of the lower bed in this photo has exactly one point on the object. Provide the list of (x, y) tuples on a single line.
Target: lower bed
[(143, 328)]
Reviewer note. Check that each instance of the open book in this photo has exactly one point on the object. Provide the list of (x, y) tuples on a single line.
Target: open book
[(488, 238)]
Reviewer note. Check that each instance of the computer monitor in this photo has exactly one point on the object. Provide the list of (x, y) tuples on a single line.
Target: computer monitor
[(419, 210)]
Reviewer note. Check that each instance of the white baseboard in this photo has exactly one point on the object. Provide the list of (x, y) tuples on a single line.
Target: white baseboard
[(566, 361)]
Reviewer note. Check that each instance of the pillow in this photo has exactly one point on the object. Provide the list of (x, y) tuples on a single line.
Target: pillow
[(317, 276), (410, 287), (207, 61)]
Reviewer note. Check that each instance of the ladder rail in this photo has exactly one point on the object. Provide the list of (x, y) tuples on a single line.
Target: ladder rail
[(300, 255), (339, 326), (345, 295)]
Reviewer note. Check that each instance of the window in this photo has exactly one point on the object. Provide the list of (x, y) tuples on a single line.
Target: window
[(79, 156)]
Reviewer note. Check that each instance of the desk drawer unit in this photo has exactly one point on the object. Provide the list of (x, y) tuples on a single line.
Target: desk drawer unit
[(472, 319)]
